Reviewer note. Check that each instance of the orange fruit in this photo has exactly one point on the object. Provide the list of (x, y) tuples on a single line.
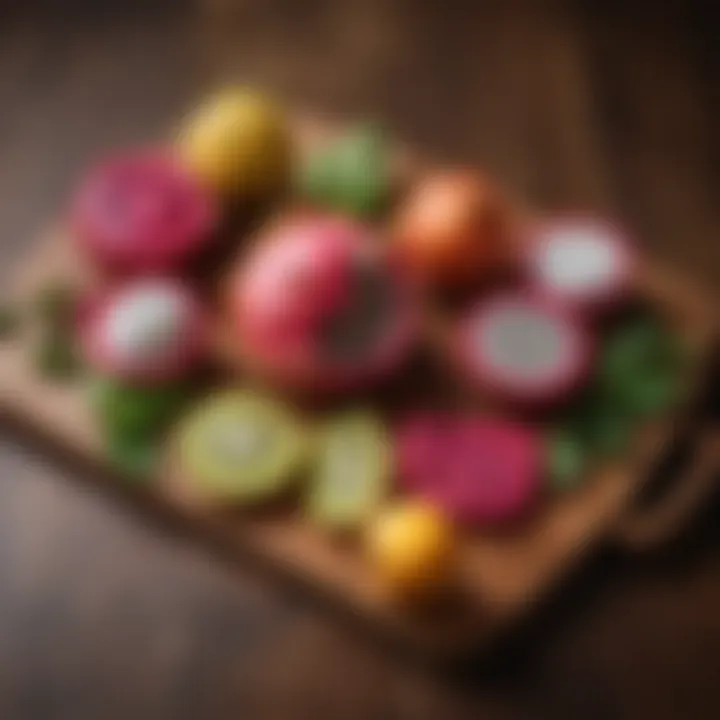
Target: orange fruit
[(452, 227), (411, 547)]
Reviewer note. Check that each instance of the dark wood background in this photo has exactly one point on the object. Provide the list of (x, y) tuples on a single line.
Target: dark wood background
[(608, 105)]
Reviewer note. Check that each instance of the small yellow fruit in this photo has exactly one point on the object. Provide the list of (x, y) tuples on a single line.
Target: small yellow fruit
[(411, 546), (238, 144)]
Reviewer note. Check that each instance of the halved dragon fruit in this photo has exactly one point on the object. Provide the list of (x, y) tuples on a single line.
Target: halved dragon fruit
[(149, 331), (583, 261), (142, 213), (478, 470), (523, 348), (320, 305)]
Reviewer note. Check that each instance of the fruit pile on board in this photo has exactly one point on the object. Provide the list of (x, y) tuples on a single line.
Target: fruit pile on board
[(339, 287)]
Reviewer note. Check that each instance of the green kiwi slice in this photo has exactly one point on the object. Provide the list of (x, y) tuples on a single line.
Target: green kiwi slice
[(241, 447), (352, 472)]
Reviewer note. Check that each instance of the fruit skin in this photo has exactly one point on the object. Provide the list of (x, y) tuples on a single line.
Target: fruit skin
[(211, 439), (238, 144), (501, 384), (295, 278), (617, 291), (351, 175), (452, 228), (141, 213), (331, 503), (411, 547), (184, 352), (478, 470)]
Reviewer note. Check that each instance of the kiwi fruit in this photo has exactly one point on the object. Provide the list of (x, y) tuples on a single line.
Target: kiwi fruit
[(353, 465), (240, 447)]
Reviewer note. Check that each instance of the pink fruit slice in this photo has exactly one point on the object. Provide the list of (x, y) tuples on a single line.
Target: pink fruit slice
[(291, 281), (583, 261), (478, 470), (142, 213), (319, 305), (151, 330), (524, 349)]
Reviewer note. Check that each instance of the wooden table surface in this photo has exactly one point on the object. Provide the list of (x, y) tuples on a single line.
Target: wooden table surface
[(610, 106)]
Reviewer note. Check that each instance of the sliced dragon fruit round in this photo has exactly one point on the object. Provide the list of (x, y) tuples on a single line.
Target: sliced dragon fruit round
[(583, 261), (523, 348), (142, 213), (149, 331), (478, 470), (320, 305)]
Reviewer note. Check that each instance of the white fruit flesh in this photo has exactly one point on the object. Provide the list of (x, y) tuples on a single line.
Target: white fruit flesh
[(525, 344), (143, 324), (579, 259)]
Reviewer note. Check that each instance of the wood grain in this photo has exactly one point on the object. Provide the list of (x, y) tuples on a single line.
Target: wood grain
[(104, 617)]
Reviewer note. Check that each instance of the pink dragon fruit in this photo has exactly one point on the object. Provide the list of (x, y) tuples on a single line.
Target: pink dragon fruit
[(320, 305), (522, 348), (142, 213), (582, 261), (150, 330), (476, 469)]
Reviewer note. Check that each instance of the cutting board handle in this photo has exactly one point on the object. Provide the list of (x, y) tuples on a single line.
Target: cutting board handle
[(646, 526)]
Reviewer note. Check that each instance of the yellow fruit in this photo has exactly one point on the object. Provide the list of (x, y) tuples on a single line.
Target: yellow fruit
[(411, 546), (238, 144)]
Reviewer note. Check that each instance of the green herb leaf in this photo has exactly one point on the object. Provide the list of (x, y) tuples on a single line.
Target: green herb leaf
[(138, 412), (56, 357), (137, 458), (566, 460), (9, 322), (351, 175), (55, 305)]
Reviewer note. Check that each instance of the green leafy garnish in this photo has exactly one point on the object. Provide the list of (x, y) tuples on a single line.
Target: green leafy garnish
[(639, 374), (55, 305), (57, 358), (565, 459), (134, 412), (9, 322), (137, 458), (351, 175), (640, 368)]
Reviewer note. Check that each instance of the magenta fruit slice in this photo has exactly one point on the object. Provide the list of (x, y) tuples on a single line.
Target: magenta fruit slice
[(523, 349), (141, 213), (320, 306), (150, 331), (583, 261), (478, 470)]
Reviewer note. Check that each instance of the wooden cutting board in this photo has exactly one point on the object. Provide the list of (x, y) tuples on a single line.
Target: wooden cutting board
[(502, 576)]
